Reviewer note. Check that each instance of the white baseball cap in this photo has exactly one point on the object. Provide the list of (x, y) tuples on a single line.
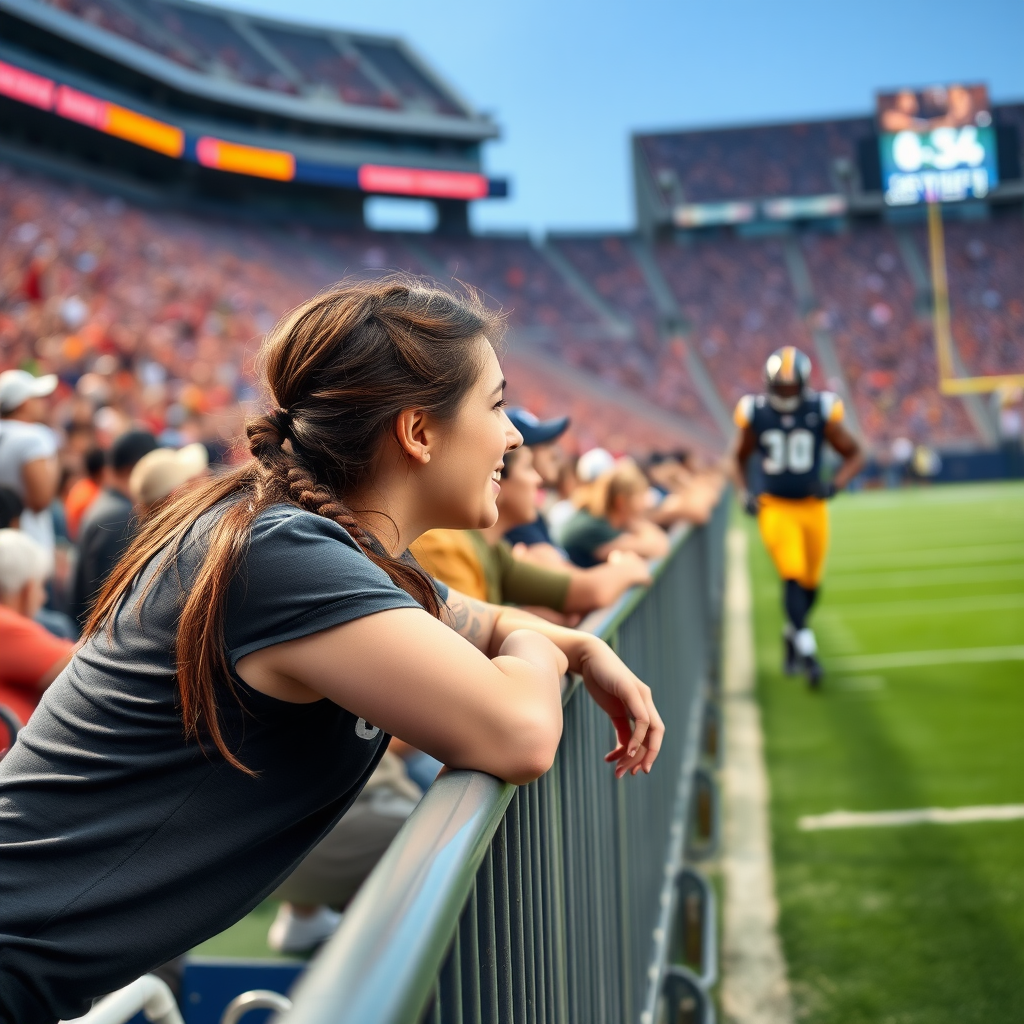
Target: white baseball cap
[(593, 464), (18, 386), (164, 470)]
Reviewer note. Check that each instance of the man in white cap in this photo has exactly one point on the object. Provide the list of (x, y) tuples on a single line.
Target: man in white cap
[(159, 474), (28, 450)]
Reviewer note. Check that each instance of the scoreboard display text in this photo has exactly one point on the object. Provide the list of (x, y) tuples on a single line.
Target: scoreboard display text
[(937, 145)]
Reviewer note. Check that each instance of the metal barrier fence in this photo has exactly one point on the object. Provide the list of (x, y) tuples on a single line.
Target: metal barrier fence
[(557, 901)]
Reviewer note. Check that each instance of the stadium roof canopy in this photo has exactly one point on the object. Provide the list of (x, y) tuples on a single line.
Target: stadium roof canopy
[(192, 102), (296, 71)]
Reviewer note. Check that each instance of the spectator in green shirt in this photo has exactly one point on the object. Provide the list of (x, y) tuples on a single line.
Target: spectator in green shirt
[(612, 519)]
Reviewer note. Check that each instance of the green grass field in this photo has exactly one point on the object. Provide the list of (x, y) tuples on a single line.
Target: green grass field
[(923, 923)]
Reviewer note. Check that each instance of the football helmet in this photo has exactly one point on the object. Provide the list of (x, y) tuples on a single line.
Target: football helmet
[(786, 374)]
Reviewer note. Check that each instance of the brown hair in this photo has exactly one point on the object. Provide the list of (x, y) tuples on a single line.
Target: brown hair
[(624, 478), (339, 369)]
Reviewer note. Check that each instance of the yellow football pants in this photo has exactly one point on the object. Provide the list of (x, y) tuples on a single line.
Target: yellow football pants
[(795, 532)]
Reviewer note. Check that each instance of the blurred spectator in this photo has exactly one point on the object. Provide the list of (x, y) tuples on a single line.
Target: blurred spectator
[(684, 494), (589, 466), (32, 657), (11, 507), (28, 450), (612, 517), (542, 439), (84, 491), (159, 474), (109, 525), (485, 560)]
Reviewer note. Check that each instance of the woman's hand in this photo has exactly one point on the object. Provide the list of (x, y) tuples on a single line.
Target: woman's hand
[(618, 692), (624, 699)]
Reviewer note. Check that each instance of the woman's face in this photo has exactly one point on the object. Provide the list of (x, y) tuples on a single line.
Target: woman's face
[(467, 462), (517, 502)]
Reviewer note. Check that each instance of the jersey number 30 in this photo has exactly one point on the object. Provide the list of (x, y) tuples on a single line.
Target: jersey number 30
[(793, 451)]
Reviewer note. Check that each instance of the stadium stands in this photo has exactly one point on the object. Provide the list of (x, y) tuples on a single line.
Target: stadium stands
[(767, 160), (154, 315), (645, 363), (84, 277), (512, 272), (272, 55), (738, 298), (986, 288), (867, 302)]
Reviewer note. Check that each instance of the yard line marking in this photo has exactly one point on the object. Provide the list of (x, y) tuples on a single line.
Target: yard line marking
[(921, 815), (924, 577), (926, 605), (925, 557), (914, 659), (860, 684)]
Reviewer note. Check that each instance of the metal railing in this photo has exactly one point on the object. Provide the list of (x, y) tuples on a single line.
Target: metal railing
[(557, 901)]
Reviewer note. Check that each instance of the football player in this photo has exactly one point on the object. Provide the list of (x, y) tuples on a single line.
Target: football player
[(789, 426)]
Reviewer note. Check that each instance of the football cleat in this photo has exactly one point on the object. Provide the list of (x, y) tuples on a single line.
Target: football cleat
[(813, 671), (790, 658)]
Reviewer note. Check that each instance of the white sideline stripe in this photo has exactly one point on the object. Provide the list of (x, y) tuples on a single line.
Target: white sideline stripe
[(914, 659), (927, 815), (755, 986)]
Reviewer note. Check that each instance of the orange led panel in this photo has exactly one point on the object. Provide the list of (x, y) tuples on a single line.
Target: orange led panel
[(231, 156), (144, 131)]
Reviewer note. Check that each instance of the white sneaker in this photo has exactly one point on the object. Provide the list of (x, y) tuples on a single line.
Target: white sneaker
[(293, 934)]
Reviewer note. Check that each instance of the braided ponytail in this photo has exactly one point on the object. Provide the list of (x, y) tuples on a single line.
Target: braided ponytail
[(340, 368)]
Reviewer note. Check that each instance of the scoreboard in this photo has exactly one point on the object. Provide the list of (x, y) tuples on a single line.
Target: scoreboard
[(937, 144)]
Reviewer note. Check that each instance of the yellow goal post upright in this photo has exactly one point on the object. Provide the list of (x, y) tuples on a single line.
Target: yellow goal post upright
[(949, 382)]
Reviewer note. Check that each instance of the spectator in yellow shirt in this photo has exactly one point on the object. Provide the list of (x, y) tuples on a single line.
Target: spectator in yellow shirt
[(481, 563)]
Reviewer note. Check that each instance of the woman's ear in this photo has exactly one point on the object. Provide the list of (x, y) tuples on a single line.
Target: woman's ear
[(415, 435)]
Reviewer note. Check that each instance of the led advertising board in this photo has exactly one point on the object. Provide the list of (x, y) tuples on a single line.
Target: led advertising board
[(937, 144), (220, 154)]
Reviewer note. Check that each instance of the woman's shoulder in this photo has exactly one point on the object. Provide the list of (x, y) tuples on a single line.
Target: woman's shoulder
[(288, 524)]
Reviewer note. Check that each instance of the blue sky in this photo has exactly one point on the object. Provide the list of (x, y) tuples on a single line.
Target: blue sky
[(569, 80)]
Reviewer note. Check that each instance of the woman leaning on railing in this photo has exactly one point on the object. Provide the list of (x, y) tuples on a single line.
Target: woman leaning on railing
[(264, 637)]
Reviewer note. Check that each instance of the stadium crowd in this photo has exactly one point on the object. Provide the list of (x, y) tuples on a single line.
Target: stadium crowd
[(739, 163), (157, 315), (867, 303), (738, 299)]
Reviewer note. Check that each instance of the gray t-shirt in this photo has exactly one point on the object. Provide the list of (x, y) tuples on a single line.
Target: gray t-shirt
[(121, 844), (21, 443)]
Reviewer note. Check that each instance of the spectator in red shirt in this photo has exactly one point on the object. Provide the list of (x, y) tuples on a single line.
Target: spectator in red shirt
[(85, 491), (32, 657)]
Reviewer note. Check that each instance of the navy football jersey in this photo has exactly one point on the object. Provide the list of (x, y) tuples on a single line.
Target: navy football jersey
[(790, 442)]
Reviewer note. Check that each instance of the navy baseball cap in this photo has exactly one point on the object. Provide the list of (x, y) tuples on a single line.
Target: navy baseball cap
[(537, 431), (129, 448)]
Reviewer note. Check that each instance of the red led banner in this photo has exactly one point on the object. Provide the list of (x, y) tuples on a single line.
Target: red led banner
[(26, 87), (411, 181)]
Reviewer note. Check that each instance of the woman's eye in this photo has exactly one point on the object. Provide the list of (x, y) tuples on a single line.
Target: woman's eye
[(501, 404)]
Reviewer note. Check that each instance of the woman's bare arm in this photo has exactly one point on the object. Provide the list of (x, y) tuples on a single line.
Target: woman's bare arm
[(624, 698), (409, 674)]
